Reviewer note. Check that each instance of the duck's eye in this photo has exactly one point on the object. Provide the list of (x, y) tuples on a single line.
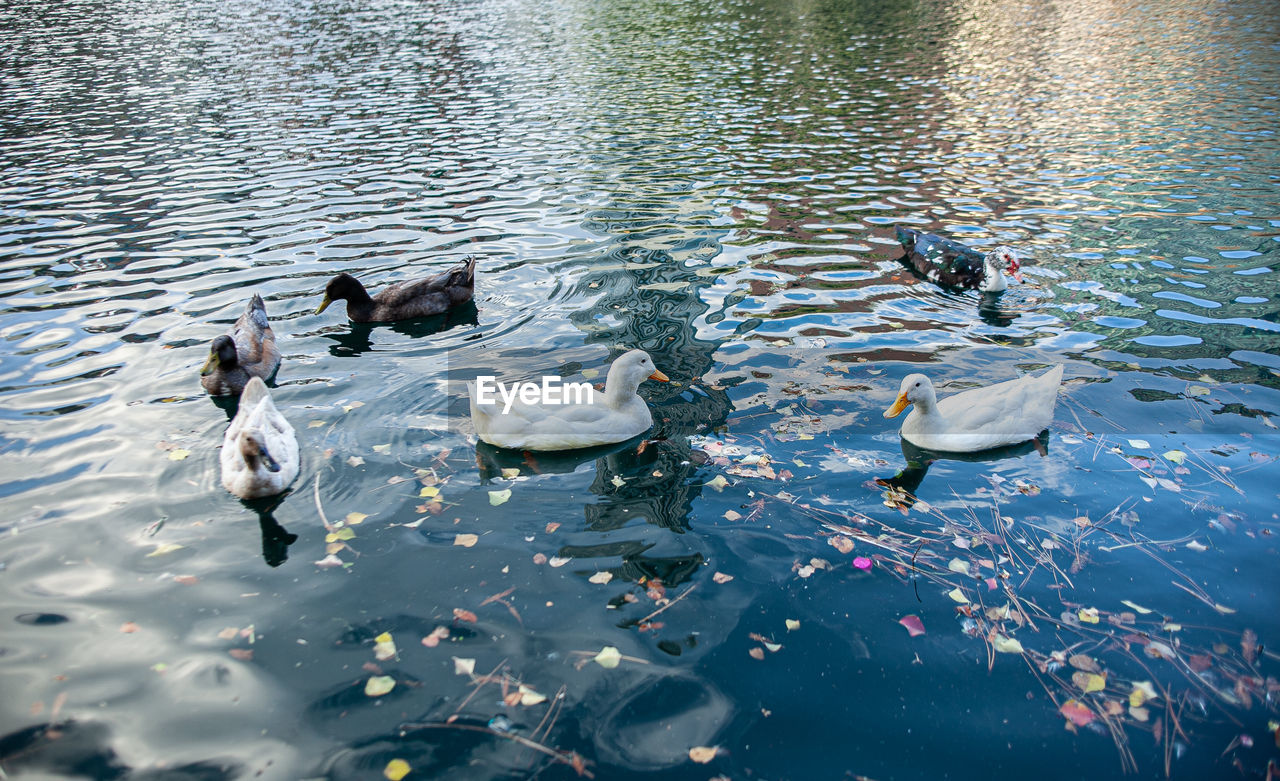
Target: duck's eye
[(917, 385)]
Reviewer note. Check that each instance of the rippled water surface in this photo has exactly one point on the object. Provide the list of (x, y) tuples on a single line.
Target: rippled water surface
[(716, 183)]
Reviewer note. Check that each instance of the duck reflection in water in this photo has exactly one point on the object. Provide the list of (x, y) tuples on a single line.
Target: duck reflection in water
[(357, 338), (275, 538), (989, 310), (904, 486)]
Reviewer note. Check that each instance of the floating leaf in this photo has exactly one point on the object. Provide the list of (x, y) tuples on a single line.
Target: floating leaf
[(792, 625), (732, 515), (718, 482), (1176, 456), (355, 461), (345, 533), (862, 563), (510, 473), (702, 754), (1198, 390), (559, 561), (1197, 546), (1006, 645), (1089, 615), (958, 565), (463, 666), (439, 633), (913, 624), (384, 647), (958, 595), (315, 423), (1139, 714), (178, 453), (379, 685), (384, 449), (329, 561), (608, 658), (590, 374), (498, 497), (431, 492), (756, 653), (530, 697), (1089, 682), (1084, 662), (841, 543), (396, 769), (1077, 713), (601, 578), (464, 615), (465, 540), (163, 548), (1142, 691), (720, 577), (1138, 608), (354, 518), (1140, 444)]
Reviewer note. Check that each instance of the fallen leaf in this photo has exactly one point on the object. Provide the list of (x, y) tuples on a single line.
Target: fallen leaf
[(792, 625), (1139, 714), (732, 515), (1175, 456), (1089, 615), (958, 595), (958, 565), (355, 461), (539, 558), (1089, 682), (384, 449), (1140, 444), (1138, 608), (718, 482), (702, 754), (430, 492), (379, 685), (177, 454), (439, 633), (559, 561), (345, 533), (617, 481), (756, 653), (463, 666), (163, 548), (608, 658), (552, 526), (384, 647), (186, 580), (510, 473), (464, 615), (720, 577), (862, 563), (396, 769), (1142, 691), (354, 518), (1077, 713), (913, 624), (601, 578), (1198, 390), (465, 540), (841, 543), (1007, 645), (530, 697), (498, 497), (242, 654), (329, 561)]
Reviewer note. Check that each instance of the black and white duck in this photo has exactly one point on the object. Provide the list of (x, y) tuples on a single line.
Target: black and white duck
[(951, 264)]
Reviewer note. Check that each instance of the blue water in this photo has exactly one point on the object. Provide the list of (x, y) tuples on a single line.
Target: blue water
[(716, 183)]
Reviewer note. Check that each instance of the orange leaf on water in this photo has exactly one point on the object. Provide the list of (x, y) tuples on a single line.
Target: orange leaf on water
[(464, 615), (1077, 713), (913, 624)]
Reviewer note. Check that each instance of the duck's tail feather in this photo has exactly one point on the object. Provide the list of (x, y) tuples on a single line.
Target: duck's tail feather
[(255, 390), (257, 312)]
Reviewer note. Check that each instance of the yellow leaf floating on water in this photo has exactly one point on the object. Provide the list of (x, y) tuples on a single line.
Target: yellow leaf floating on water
[(355, 461), (618, 482), (590, 374), (1089, 682), (177, 454), (465, 540), (1140, 444), (1176, 456), (355, 517), (702, 754), (732, 515), (379, 685), (530, 697), (958, 595), (463, 666), (430, 492), (792, 625), (163, 548), (1142, 691), (608, 658), (315, 424), (345, 533), (958, 565), (1198, 390), (600, 578), (396, 769), (499, 497), (383, 449), (510, 473), (718, 482), (384, 647), (1138, 608), (1007, 645), (1089, 615)]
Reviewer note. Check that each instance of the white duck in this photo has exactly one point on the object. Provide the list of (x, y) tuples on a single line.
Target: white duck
[(1003, 414), (259, 451), (615, 415)]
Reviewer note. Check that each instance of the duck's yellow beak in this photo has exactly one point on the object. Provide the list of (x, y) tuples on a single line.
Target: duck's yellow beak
[(324, 304), (659, 376), (899, 404), (210, 364)]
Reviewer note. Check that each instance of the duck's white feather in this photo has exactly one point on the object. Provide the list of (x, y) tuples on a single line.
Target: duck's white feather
[(1003, 414), (614, 415), (258, 426)]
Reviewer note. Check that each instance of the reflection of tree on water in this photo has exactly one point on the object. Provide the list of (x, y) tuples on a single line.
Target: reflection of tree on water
[(908, 479)]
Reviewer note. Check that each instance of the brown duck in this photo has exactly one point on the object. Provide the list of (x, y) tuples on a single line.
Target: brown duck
[(248, 350)]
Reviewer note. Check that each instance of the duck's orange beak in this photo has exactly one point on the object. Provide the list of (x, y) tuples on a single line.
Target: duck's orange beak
[(659, 376), (899, 404)]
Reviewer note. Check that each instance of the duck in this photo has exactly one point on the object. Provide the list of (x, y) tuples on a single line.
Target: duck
[(951, 264), (583, 420), (1006, 413), (259, 450), (247, 350), (403, 300)]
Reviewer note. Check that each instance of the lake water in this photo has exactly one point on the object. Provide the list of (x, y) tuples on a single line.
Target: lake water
[(717, 183)]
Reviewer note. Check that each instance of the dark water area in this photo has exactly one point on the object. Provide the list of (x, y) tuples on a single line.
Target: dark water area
[(718, 184)]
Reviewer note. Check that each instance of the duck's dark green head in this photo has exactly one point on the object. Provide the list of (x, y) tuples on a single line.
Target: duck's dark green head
[(343, 286), (222, 354)]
